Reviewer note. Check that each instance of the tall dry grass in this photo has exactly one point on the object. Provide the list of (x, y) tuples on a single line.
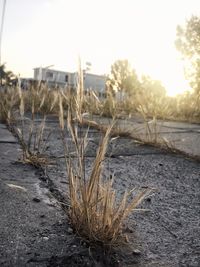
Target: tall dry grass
[(9, 100), (96, 213), (36, 102)]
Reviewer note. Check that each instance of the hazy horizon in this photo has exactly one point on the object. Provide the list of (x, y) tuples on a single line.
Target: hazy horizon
[(55, 32)]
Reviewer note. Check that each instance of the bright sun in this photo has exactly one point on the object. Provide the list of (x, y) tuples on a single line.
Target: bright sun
[(171, 75)]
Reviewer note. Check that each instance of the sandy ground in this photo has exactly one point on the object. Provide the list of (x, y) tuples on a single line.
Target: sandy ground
[(167, 235)]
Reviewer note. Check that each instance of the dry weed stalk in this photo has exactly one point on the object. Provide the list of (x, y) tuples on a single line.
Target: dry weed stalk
[(95, 212), (31, 136), (8, 101)]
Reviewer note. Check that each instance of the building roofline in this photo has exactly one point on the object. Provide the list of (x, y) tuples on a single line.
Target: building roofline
[(52, 70), (92, 74)]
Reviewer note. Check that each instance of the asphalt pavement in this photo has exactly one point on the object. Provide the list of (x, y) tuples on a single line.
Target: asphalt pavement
[(179, 135), (34, 229)]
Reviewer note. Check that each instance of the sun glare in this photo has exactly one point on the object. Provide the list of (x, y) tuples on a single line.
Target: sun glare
[(170, 72), (175, 86), (56, 32)]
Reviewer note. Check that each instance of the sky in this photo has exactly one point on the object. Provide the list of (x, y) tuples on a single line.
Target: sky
[(56, 32)]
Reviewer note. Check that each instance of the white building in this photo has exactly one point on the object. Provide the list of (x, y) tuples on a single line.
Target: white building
[(53, 77), (70, 79)]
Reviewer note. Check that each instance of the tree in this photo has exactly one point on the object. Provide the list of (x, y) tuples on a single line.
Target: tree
[(153, 87), (6, 77), (153, 97), (188, 43), (123, 78)]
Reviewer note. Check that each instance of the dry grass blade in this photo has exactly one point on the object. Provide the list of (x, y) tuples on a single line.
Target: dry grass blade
[(21, 107), (61, 113), (97, 167)]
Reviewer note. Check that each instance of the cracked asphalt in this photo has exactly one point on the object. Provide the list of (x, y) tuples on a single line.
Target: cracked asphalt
[(35, 231)]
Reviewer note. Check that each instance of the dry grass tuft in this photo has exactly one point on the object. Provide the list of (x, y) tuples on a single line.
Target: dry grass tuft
[(40, 101), (95, 212)]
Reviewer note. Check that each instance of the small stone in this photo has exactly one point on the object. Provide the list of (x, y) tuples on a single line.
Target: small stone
[(70, 230), (136, 252), (45, 238), (74, 246), (35, 199)]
